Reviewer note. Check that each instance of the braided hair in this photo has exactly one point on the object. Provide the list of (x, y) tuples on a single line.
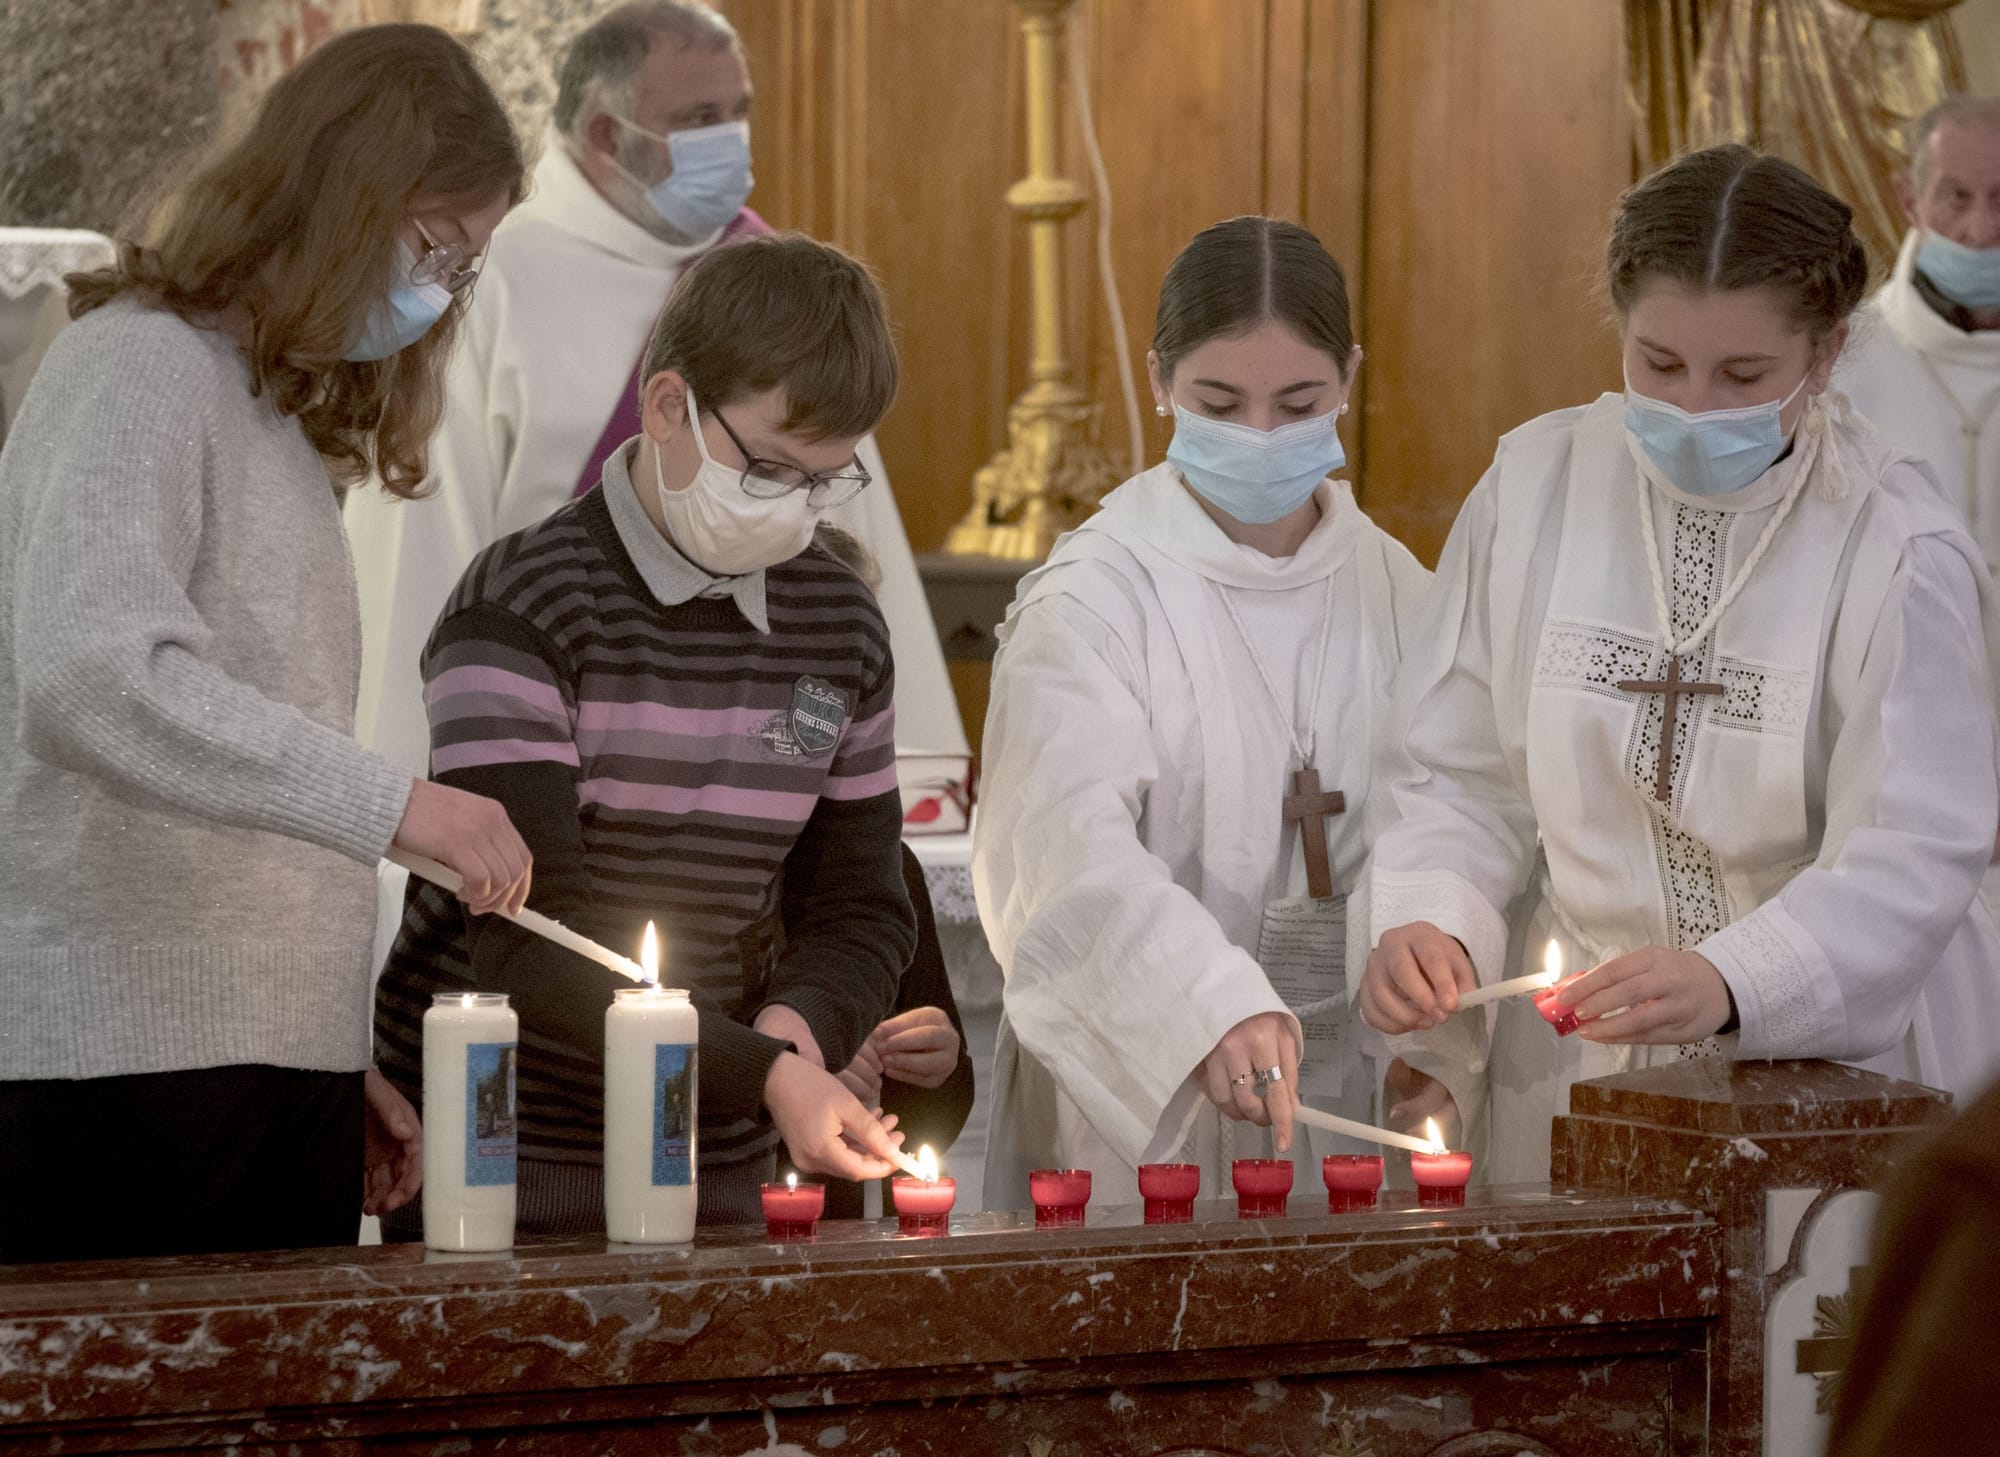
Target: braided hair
[(1731, 217)]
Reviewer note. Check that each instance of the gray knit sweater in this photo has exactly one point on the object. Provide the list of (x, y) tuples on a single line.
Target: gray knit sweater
[(187, 831)]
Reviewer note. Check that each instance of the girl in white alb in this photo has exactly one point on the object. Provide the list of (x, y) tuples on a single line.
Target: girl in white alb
[(1702, 697)]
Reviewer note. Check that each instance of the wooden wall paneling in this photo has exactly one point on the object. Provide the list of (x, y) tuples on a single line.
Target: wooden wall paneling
[(1498, 144), (1334, 177)]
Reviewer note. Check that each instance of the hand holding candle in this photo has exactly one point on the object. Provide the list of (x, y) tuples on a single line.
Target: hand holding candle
[(825, 1127), (527, 920), (1520, 986)]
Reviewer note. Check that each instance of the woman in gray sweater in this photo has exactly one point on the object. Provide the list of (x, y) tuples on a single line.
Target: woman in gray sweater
[(190, 831)]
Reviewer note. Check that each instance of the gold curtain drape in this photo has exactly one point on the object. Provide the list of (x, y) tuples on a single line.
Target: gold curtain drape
[(1828, 84)]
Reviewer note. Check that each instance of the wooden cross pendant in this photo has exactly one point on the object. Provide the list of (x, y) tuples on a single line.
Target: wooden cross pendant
[(1307, 806), (1674, 690)]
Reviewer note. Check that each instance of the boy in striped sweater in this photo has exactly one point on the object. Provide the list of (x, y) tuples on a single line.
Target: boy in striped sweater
[(684, 701)]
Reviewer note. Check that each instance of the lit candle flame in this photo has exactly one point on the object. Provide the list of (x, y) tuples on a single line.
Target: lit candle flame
[(927, 1163), (1552, 963), (649, 953), (1435, 1135), (792, 1182)]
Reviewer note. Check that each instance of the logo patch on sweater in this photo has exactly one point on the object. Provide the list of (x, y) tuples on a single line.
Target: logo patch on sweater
[(812, 726)]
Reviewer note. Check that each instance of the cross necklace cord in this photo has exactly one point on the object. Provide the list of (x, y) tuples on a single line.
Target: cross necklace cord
[(1673, 687), (1307, 805)]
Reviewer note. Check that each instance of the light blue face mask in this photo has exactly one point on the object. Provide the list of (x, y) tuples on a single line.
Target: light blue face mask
[(1713, 453), (711, 179), (1255, 476), (1968, 276), (404, 316)]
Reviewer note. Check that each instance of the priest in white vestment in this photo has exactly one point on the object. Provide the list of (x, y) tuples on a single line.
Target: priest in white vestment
[(542, 385), (1159, 686), (1774, 600), (1925, 361)]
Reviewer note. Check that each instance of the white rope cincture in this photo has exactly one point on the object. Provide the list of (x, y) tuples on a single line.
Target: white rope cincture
[(1816, 433)]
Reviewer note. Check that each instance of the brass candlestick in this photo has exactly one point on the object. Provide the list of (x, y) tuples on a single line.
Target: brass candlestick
[(1052, 473)]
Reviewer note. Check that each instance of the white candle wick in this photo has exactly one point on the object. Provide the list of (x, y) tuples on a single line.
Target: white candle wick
[(649, 953)]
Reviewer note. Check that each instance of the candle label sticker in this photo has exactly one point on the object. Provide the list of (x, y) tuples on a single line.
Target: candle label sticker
[(1302, 946), (673, 1114), (489, 1113)]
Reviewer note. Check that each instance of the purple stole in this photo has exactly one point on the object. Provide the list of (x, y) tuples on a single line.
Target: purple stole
[(623, 423)]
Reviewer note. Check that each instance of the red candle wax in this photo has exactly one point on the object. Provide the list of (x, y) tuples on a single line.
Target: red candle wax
[(1351, 1180), (1562, 1018), (791, 1210), (1261, 1187), (1441, 1177), (1169, 1191), (923, 1206), (1059, 1196)]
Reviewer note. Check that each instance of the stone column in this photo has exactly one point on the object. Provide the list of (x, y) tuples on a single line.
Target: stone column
[(1780, 1153)]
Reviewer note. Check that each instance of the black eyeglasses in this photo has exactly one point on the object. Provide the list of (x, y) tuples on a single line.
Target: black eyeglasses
[(442, 263), (768, 480)]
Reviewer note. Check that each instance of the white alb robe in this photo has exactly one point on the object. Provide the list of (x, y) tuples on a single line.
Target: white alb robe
[(1830, 813), (566, 300), (1933, 389), (1131, 833)]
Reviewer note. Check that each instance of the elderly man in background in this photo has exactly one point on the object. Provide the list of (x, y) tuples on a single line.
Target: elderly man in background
[(1924, 363), (647, 168)]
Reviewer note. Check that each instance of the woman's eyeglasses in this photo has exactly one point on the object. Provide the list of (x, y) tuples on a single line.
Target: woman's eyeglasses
[(768, 480), (442, 263)]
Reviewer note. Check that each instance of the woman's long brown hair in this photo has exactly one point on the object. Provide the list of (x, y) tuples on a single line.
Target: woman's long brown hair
[(294, 224)]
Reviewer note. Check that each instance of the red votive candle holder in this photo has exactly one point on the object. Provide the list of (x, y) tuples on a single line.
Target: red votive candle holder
[(923, 1206), (1169, 1191), (1352, 1180), (1059, 1196), (1262, 1186), (792, 1210), (1562, 1018), (1441, 1177)]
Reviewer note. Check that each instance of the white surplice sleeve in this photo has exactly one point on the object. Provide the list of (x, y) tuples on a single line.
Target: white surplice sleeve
[(408, 555), (1832, 966), (1453, 834), (1118, 981)]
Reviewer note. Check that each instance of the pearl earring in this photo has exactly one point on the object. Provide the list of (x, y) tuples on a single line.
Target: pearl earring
[(1160, 410), (1343, 407)]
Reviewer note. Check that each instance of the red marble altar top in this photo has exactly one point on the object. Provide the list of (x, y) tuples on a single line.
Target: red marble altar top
[(1718, 1095), (330, 1328)]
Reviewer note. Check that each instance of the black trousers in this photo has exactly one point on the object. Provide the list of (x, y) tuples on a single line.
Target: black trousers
[(210, 1161)]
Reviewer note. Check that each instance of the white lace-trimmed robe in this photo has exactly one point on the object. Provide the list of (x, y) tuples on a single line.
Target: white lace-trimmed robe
[(1130, 831), (566, 300), (1897, 368), (1831, 812)]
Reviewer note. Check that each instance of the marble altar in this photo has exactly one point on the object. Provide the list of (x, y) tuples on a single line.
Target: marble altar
[(1624, 1315)]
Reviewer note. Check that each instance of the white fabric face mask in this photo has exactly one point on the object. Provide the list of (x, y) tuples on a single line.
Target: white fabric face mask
[(711, 179), (721, 527)]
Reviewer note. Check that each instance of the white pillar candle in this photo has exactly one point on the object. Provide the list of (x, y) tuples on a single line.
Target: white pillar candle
[(650, 1035), (470, 1039)]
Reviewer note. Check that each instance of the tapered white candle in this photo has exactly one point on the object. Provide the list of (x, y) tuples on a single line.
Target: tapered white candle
[(1520, 986), (526, 919), (1366, 1131)]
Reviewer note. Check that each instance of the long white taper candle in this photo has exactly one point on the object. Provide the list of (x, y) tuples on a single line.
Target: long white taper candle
[(1366, 1131), (1520, 986), (527, 920)]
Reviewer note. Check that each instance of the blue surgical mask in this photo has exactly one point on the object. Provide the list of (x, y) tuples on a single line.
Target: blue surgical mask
[(1256, 476), (711, 178), (1712, 453), (404, 316), (1968, 276)]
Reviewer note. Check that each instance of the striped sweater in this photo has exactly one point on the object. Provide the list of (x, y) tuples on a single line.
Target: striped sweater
[(665, 760)]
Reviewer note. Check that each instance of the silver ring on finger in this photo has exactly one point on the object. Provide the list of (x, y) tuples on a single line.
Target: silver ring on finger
[(1267, 1078)]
